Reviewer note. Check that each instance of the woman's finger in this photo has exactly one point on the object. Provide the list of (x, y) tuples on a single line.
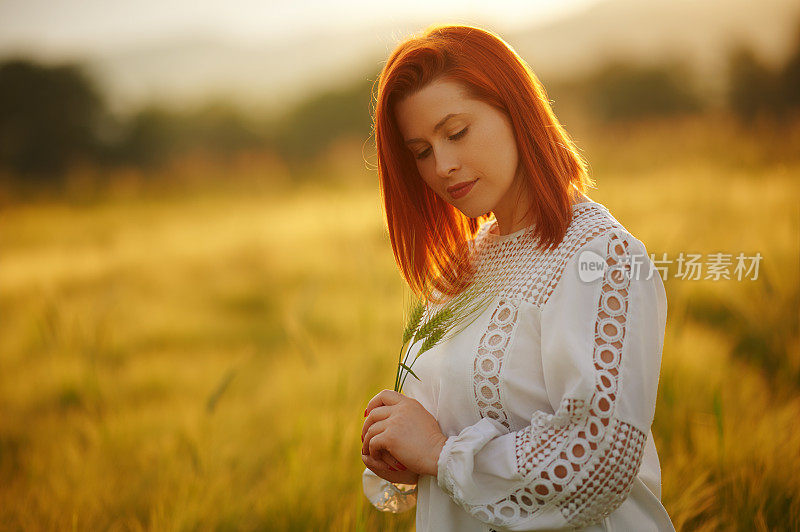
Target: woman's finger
[(373, 430), (377, 443), (377, 414), (377, 466), (390, 460), (386, 462), (384, 398)]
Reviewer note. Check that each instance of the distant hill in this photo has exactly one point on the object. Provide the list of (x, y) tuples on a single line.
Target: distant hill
[(274, 76)]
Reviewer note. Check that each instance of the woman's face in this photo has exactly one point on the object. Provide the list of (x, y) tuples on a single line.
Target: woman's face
[(466, 143)]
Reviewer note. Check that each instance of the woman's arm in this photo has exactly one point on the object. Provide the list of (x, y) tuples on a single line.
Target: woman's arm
[(601, 353)]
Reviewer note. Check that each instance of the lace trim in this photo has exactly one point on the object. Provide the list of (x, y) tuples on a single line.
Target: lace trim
[(520, 273), (491, 349), (582, 459)]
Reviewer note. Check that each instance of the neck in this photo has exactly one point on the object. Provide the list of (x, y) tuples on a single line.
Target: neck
[(504, 227)]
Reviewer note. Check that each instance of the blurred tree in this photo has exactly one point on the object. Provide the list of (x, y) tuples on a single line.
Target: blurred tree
[(790, 75), (310, 128), (150, 137), (49, 117), (620, 91), (221, 129), (753, 88), (154, 134)]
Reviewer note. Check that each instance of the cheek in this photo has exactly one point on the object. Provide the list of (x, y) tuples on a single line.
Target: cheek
[(512, 159), (424, 173), (507, 154), (497, 150), (427, 177)]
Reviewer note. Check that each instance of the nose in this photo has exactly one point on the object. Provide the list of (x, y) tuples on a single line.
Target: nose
[(446, 163)]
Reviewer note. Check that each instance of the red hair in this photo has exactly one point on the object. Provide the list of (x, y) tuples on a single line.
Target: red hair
[(430, 238)]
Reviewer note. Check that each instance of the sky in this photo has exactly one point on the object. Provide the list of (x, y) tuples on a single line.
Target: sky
[(73, 27)]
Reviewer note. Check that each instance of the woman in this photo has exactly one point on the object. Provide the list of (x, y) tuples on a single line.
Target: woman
[(537, 415)]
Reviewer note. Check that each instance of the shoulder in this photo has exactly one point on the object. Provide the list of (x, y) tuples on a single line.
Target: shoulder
[(591, 223), (595, 227), (593, 236)]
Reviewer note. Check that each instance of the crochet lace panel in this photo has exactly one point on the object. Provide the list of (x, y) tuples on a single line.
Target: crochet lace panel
[(518, 272), (581, 460)]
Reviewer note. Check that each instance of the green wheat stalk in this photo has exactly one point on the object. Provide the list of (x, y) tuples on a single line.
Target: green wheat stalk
[(453, 317)]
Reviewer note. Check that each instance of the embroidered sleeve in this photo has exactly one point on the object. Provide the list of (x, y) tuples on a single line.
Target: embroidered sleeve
[(602, 333), (387, 496)]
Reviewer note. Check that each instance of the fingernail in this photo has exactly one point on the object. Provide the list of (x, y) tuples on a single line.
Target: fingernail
[(365, 412), (402, 467), (362, 438), (393, 469)]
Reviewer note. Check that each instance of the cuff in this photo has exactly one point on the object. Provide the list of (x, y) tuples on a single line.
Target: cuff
[(387, 496), (457, 459)]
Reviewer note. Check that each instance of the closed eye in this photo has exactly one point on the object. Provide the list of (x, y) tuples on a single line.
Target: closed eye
[(459, 134), (455, 136)]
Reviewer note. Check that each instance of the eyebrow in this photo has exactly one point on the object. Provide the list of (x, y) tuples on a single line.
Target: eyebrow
[(436, 127)]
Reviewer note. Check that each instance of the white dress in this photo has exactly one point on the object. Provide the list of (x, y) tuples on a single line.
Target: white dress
[(547, 398)]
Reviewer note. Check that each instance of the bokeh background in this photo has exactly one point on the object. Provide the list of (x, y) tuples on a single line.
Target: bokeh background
[(197, 293)]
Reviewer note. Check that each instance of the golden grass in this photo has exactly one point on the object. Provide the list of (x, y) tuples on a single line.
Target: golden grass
[(202, 360)]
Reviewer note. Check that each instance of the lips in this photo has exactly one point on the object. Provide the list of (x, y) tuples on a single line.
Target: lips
[(461, 189)]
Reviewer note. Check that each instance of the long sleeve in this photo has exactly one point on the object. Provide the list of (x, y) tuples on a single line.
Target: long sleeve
[(387, 496), (602, 332)]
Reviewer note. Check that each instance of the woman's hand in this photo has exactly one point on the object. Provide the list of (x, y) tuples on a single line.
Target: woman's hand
[(400, 426), (382, 469)]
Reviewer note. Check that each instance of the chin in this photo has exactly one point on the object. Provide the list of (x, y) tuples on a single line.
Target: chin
[(473, 212)]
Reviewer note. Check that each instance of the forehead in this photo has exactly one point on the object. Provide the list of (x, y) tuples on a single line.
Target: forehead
[(419, 112)]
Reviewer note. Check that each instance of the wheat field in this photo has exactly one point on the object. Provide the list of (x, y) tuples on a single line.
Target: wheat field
[(199, 357)]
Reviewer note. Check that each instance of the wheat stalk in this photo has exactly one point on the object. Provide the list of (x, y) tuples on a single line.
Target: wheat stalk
[(454, 316)]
